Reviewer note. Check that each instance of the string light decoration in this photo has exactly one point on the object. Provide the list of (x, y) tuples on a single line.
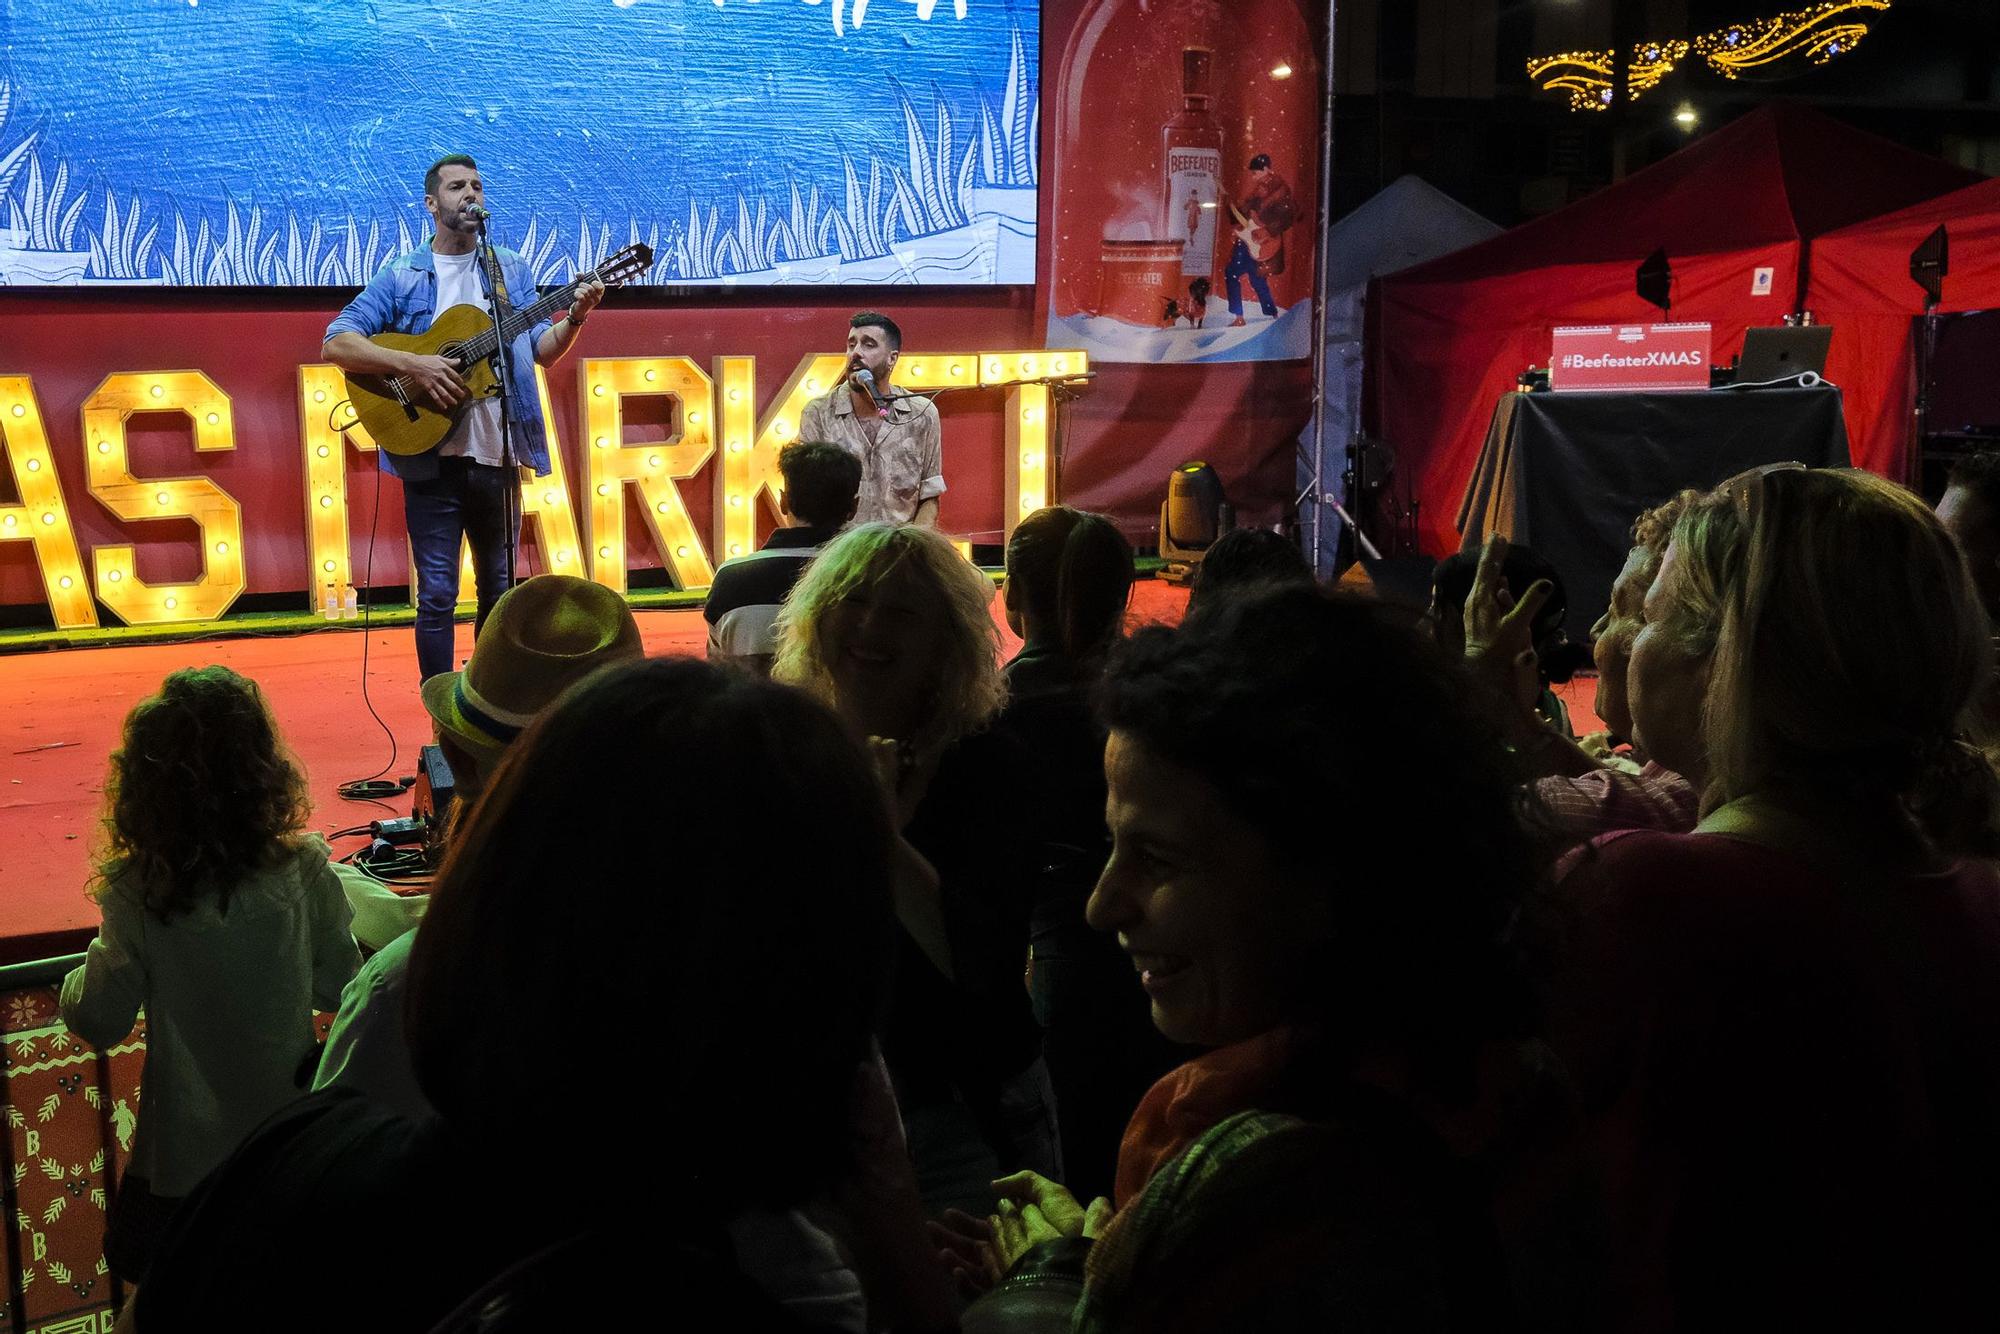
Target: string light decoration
[(1815, 35), (1586, 75), (214, 511), (652, 467), (41, 519)]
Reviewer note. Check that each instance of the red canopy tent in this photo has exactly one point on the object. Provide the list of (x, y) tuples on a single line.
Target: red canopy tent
[(1447, 338), (1861, 285)]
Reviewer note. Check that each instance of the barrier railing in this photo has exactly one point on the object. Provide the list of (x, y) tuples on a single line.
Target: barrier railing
[(70, 1112)]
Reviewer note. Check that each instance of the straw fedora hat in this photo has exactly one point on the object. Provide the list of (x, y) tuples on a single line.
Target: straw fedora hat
[(543, 635)]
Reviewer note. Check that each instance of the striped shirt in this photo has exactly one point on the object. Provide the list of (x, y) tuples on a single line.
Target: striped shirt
[(1608, 799), (743, 602)]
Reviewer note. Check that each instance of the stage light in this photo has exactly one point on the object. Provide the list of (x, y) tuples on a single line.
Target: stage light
[(654, 469), (1654, 281), (1192, 516), (1686, 117), (35, 465), (214, 512), (1930, 262), (1281, 71)]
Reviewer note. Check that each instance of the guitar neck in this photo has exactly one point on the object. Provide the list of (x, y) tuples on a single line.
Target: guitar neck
[(524, 317)]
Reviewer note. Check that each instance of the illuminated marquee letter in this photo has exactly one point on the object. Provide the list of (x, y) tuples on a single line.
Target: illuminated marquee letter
[(544, 501), (653, 468), (749, 467), (41, 518), (131, 498), (1030, 481)]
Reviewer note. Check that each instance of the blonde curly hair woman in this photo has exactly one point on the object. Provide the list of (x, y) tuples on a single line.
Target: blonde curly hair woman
[(894, 629)]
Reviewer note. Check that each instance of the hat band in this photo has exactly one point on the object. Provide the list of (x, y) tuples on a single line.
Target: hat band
[(474, 710)]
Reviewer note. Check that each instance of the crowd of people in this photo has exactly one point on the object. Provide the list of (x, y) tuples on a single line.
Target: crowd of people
[(1293, 967)]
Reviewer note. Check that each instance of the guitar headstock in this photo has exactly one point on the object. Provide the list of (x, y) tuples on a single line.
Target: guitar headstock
[(623, 267)]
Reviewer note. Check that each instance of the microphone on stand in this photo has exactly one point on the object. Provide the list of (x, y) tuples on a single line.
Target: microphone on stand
[(476, 213), (865, 378)]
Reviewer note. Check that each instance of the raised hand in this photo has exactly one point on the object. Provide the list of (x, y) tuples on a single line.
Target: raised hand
[(1500, 632)]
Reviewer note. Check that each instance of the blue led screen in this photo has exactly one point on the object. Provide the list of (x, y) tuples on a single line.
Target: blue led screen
[(750, 142)]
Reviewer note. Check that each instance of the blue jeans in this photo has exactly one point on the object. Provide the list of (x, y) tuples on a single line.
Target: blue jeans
[(1240, 265), (468, 500)]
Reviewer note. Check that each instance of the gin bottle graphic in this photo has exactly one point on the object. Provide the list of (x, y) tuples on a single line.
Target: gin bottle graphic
[(1193, 168)]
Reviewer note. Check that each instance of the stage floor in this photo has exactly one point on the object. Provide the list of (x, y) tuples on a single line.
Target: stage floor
[(64, 710)]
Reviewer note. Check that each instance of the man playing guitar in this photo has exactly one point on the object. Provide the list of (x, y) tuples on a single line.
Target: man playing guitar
[(459, 487), (1262, 219)]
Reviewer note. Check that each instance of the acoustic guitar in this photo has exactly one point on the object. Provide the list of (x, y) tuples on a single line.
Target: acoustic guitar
[(400, 416)]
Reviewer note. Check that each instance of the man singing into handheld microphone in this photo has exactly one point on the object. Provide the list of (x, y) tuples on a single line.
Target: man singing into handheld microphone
[(459, 487), (894, 434)]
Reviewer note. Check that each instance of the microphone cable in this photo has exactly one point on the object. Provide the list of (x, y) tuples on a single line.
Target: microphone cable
[(374, 787)]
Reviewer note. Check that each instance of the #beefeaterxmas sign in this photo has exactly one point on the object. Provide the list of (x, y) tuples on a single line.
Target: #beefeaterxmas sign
[(1629, 357)]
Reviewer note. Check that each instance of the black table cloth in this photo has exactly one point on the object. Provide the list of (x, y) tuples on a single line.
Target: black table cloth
[(1566, 474)]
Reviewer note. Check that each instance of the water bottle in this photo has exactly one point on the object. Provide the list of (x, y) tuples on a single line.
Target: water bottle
[(329, 602)]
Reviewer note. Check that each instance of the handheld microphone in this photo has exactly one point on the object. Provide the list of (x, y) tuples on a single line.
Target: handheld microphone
[(476, 213), (866, 379)]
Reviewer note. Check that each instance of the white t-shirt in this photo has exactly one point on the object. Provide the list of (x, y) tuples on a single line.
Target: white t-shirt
[(477, 435)]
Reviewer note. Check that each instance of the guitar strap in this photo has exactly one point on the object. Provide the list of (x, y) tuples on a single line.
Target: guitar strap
[(491, 261)]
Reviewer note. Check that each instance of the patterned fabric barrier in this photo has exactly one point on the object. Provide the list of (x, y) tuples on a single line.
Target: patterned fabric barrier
[(70, 1112)]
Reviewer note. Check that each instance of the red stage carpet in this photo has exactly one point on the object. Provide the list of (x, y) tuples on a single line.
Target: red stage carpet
[(64, 711)]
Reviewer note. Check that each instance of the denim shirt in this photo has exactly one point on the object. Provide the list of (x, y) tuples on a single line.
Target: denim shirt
[(402, 298)]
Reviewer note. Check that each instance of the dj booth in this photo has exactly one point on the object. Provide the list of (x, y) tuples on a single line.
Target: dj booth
[(1567, 473)]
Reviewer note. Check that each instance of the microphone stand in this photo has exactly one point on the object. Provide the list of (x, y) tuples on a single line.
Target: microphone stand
[(510, 490)]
